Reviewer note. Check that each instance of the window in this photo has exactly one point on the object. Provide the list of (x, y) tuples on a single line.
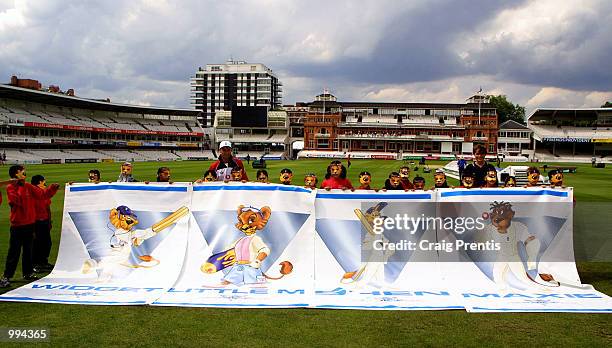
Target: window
[(323, 143)]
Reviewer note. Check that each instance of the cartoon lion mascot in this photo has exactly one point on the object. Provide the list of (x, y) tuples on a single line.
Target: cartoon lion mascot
[(244, 258)]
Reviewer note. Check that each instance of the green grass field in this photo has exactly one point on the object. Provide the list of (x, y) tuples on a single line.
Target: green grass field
[(72, 325)]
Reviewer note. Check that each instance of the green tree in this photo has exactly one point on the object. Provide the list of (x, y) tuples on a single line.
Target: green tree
[(506, 110), (607, 105)]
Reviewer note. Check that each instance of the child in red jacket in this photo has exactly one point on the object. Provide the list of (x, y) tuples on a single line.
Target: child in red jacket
[(4, 184), (335, 178), (42, 227), (22, 197)]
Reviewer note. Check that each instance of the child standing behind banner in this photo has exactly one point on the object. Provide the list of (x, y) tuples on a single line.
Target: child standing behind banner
[(491, 178), (262, 176), (126, 173), (468, 180), (42, 228), (335, 178), (365, 179), (419, 183), (310, 181), (94, 176), (510, 182), (533, 177), (286, 175), (404, 174), (440, 179), (394, 182)]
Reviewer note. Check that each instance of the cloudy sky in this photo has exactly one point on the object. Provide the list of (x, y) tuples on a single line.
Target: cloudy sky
[(538, 53)]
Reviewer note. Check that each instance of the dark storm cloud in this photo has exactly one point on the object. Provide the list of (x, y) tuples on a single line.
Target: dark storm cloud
[(572, 51), (146, 50), (414, 46)]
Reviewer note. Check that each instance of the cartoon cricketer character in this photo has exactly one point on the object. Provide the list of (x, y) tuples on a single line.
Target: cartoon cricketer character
[(372, 270), (247, 253), (518, 249), (125, 235)]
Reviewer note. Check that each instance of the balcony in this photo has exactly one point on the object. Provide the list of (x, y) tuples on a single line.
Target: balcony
[(479, 138), (404, 137), (321, 135), (513, 140)]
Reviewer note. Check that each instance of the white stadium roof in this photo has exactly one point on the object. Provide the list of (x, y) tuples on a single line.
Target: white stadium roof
[(551, 113)]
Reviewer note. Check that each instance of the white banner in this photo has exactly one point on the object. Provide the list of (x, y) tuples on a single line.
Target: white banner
[(250, 245), (529, 266), (267, 245), (355, 269), (121, 244)]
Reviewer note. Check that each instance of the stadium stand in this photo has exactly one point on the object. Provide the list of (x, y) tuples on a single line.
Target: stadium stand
[(572, 135), (43, 127)]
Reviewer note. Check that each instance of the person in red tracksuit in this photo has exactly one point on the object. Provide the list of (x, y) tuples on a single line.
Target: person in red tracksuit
[(42, 228), (21, 197), (4, 184)]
